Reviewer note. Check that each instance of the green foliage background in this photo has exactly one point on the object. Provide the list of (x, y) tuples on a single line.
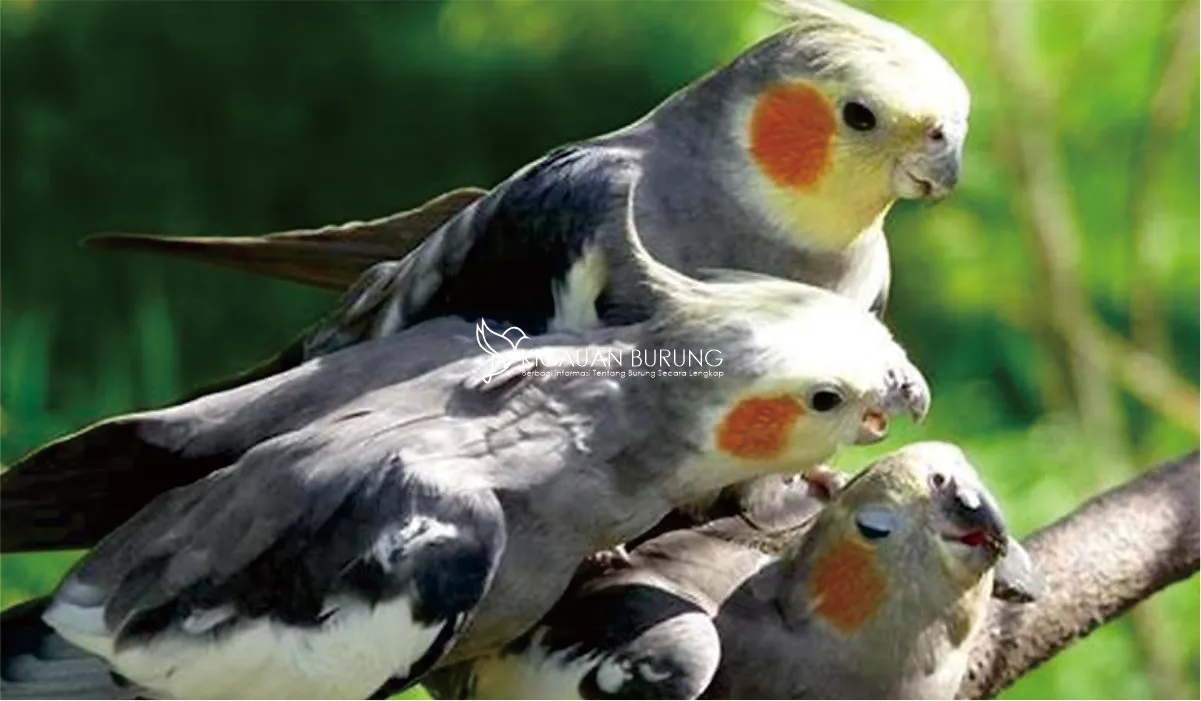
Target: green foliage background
[(243, 118)]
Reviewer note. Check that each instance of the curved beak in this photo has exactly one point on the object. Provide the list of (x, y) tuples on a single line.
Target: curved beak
[(906, 391), (933, 171), (976, 521), (974, 518)]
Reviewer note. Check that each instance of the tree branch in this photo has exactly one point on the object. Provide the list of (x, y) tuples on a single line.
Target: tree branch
[(1114, 551)]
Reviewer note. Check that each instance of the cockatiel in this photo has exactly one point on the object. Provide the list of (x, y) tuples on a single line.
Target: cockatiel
[(878, 595), (783, 162), (407, 503)]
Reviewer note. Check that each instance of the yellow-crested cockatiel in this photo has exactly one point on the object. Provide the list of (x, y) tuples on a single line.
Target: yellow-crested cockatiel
[(405, 504), (783, 163)]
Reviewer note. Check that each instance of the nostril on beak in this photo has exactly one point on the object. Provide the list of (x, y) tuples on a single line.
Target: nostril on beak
[(936, 134)]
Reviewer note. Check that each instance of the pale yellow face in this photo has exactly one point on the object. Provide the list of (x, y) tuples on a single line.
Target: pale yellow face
[(793, 426), (832, 148), (784, 429), (826, 374)]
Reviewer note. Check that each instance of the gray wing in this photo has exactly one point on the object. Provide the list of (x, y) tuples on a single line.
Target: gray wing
[(645, 629), (323, 538), (506, 257), (76, 490), (763, 506), (633, 641), (366, 537)]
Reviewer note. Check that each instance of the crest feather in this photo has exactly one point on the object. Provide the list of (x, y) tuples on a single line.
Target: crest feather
[(834, 39)]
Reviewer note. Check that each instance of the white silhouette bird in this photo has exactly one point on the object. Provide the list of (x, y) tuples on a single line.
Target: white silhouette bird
[(499, 364)]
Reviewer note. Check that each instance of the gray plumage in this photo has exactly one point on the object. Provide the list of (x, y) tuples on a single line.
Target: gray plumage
[(703, 201), (643, 628), (708, 197), (542, 250), (383, 512), (919, 540)]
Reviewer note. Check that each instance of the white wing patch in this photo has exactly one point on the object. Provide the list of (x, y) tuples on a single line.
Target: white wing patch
[(417, 533), (203, 620), (611, 675), (351, 654), (575, 297), (83, 626)]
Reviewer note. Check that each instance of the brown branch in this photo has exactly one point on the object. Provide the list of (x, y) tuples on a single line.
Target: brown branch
[(1113, 552)]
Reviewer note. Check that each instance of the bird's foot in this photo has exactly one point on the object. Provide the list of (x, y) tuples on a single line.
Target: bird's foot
[(605, 561)]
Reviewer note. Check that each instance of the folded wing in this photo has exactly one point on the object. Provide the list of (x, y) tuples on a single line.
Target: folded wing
[(319, 566)]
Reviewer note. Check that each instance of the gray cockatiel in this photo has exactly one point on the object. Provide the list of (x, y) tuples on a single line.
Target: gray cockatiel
[(878, 595), (784, 162), (407, 503)]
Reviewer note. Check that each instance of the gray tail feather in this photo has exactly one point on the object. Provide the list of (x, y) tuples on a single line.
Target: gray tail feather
[(37, 663)]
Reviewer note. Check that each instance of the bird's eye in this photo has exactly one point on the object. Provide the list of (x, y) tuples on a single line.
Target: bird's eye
[(825, 400), (875, 522), (870, 533), (858, 116), (938, 479)]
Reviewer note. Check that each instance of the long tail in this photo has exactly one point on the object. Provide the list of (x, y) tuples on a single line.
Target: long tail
[(331, 257), (73, 492), (37, 663)]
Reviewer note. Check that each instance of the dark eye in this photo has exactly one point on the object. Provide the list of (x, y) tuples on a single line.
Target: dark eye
[(938, 479), (871, 533), (876, 522), (824, 400), (858, 116)]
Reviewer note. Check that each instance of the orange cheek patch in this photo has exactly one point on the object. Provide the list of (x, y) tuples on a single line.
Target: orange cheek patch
[(758, 428), (791, 130), (847, 585)]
